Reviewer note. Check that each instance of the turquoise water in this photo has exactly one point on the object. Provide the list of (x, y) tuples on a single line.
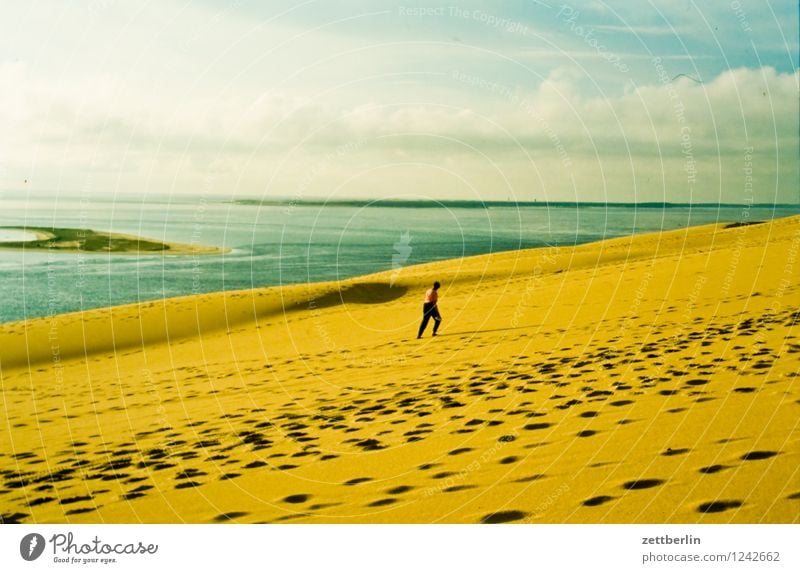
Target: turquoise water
[(291, 243)]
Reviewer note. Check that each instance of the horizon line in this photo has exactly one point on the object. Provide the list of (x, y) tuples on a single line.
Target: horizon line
[(395, 202)]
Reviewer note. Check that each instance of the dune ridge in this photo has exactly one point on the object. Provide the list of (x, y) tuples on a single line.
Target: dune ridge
[(649, 378)]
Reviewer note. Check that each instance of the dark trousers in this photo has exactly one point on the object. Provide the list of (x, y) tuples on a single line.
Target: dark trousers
[(429, 311)]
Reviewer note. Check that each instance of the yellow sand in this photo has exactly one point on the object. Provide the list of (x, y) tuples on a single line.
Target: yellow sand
[(643, 379)]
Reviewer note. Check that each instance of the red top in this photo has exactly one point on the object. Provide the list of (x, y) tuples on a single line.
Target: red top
[(431, 296)]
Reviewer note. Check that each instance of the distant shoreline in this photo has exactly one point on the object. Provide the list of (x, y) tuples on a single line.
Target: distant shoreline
[(466, 204), (67, 240)]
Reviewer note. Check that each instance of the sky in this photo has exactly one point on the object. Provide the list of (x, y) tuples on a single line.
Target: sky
[(623, 101)]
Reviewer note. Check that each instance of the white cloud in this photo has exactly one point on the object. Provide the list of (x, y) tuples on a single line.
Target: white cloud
[(650, 132)]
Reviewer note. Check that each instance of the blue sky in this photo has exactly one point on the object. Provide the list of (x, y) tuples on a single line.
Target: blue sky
[(591, 101)]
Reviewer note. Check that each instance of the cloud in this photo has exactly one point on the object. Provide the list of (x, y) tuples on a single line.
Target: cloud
[(650, 131)]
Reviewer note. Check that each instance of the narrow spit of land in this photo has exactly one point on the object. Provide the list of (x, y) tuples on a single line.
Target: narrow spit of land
[(92, 241)]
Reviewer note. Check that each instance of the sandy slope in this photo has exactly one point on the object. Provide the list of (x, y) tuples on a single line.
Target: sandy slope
[(643, 379)]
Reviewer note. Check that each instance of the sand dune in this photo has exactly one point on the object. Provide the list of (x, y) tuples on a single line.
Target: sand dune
[(644, 379)]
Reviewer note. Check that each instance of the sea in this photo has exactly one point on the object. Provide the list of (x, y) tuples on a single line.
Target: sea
[(288, 242)]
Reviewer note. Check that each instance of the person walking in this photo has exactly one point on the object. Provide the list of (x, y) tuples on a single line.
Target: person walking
[(430, 310)]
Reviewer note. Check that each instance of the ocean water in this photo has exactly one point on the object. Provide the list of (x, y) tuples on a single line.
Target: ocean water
[(291, 243)]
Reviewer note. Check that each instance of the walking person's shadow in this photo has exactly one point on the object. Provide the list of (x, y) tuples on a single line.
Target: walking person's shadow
[(473, 332)]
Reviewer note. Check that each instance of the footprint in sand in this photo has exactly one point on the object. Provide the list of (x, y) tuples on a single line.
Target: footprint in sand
[(399, 489), (318, 506), (642, 484), (40, 501), (456, 488), (187, 484), (599, 500), (223, 517), (716, 468), (142, 488), (291, 516), (370, 445), (189, 473), (10, 518), (79, 510), (758, 455), (358, 480), (527, 479), (675, 452), (539, 426), (76, 499), (459, 451), (718, 506), (383, 502), (504, 517), (424, 467)]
